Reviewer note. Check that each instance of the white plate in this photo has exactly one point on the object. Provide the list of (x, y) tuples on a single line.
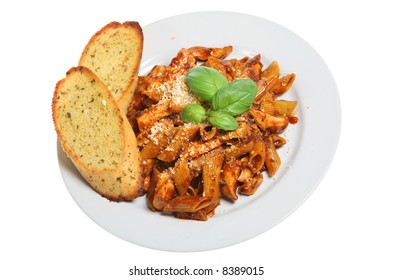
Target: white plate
[(305, 159)]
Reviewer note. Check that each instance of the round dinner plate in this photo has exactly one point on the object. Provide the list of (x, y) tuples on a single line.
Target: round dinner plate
[(305, 159)]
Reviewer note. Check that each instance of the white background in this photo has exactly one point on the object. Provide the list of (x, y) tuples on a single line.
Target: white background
[(343, 231)]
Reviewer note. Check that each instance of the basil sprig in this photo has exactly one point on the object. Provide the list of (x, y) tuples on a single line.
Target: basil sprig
[(228, 99), (204, 82), (193, 113), (222, 120), (236, 97), (197, 114)]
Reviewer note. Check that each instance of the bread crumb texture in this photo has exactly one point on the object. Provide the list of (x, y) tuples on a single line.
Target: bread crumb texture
[(91, 128), (113, 54)]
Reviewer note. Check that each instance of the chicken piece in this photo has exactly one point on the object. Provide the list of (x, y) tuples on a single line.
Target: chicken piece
[(219, 65), (203, 53), (181, 63), (266, 122), (253, 68)]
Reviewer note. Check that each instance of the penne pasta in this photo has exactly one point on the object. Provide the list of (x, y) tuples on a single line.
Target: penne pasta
[(245, 175), (164, 190), (158, 139), (152, 188), (187, 203), (211, 171), (198, 215), (230, 175), (207, 131), (189, 167), (251, 186), (182, 176), (283, 84), (148, 117), (285, 107), (273, 160), (184, 134), (147, 167), (272, 71), (195, 149), (278, 107), (278, 141), (238, 149), (257, 157), (186, 170)]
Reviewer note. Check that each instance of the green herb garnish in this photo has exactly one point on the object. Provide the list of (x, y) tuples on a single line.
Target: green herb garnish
[(193, 113), (222, 120), (236, 97), (228, 99), (204, 82)]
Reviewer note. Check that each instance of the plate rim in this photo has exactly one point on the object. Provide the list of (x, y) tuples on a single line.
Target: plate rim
[(225, 243)]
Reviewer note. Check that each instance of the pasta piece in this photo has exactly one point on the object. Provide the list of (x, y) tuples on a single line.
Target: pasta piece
[(164, 191), (198, 215), (187, 203), (152, 188), (257, 157), (184, 134), (211, 171), (207, 132), (245, 175), (285, 107), (278, 107), (186, 170), (265, 94), (137, 100), (244, 131), (148, 117), (230, 175), (195, 149), (238, 149), (283, 84), (196, 163), (251, 186), (278, 141), (182, 176), (150, 84), (272, 71), (147, 167), (159, 137), (273, 160)]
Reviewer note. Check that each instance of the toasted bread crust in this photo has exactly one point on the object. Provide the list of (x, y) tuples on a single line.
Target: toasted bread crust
[(134, 44), (117, 182)]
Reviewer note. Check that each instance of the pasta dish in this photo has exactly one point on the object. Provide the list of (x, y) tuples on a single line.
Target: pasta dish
[(188, 166)]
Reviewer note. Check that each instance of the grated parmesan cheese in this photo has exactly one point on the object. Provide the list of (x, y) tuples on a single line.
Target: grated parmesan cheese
[(157, 128), (177, 92), (178, 95)]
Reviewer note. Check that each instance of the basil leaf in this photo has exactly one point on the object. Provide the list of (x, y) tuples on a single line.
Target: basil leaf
[(222, 120), (236, 97), (193, 113), (204, 81)]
